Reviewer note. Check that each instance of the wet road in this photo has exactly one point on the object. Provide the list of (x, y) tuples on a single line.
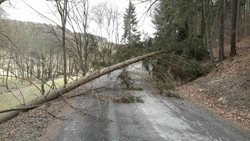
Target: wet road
[(157, 119)]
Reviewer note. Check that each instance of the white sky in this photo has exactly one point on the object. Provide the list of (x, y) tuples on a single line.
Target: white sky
[(18, 10)]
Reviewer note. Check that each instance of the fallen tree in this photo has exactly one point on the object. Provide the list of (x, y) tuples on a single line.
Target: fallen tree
[(73, 85)]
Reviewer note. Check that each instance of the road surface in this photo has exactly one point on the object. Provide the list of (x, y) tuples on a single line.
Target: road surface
[(157, 119)]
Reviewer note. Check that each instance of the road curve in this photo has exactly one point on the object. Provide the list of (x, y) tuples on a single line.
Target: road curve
[(157, 119)]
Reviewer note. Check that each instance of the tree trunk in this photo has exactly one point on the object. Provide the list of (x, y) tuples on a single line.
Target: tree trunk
[(7, 74), (203, 25), (2, 65), (208, 38), (238, 21), (245, 18), (62, 8), (234, 27), (64, 56), (71, 86), (221, 40)]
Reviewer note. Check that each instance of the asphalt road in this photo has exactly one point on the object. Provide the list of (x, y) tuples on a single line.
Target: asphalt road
[(157, 119)]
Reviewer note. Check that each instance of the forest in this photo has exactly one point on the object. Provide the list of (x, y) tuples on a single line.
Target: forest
[(199, 52)]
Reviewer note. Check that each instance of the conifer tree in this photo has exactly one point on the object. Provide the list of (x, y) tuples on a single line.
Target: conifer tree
[(131, 35)]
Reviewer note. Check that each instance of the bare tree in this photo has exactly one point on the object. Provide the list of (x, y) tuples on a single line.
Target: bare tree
[(79, 22), (108, 19), (62, 9)]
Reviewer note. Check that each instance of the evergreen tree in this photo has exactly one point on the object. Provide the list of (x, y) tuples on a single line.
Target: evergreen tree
[(178, 31), (179, 28), (131, 35), (131, 38)]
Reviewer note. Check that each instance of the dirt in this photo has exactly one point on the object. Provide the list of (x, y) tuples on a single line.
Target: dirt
[(33, 124), (226, 89), (57, 122)]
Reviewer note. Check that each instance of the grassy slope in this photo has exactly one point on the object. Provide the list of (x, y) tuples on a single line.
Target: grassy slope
[(24, 94)]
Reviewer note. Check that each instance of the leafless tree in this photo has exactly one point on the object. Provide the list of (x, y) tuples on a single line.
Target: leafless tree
[(79, 22), (108, 20), (63, 10)]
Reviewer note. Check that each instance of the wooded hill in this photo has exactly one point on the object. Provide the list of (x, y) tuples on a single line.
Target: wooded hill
[(31, 51)]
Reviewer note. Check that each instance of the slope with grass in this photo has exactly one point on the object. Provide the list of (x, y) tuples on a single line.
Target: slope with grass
[(24, 95)]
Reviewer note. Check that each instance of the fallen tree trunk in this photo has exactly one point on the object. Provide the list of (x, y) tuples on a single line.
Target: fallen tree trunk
[(19, 109), (71, 86)]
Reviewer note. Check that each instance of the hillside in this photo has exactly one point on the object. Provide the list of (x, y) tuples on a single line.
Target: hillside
[(36, 37), (226, 89)]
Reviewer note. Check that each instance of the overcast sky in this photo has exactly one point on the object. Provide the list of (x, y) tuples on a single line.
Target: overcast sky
[(18, 10)]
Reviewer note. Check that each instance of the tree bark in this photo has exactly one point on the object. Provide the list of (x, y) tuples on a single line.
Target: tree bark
[(71, 86), (64, 55), (245, 19), (62, 9), (221, 39), (7, 74), (234, 27)]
